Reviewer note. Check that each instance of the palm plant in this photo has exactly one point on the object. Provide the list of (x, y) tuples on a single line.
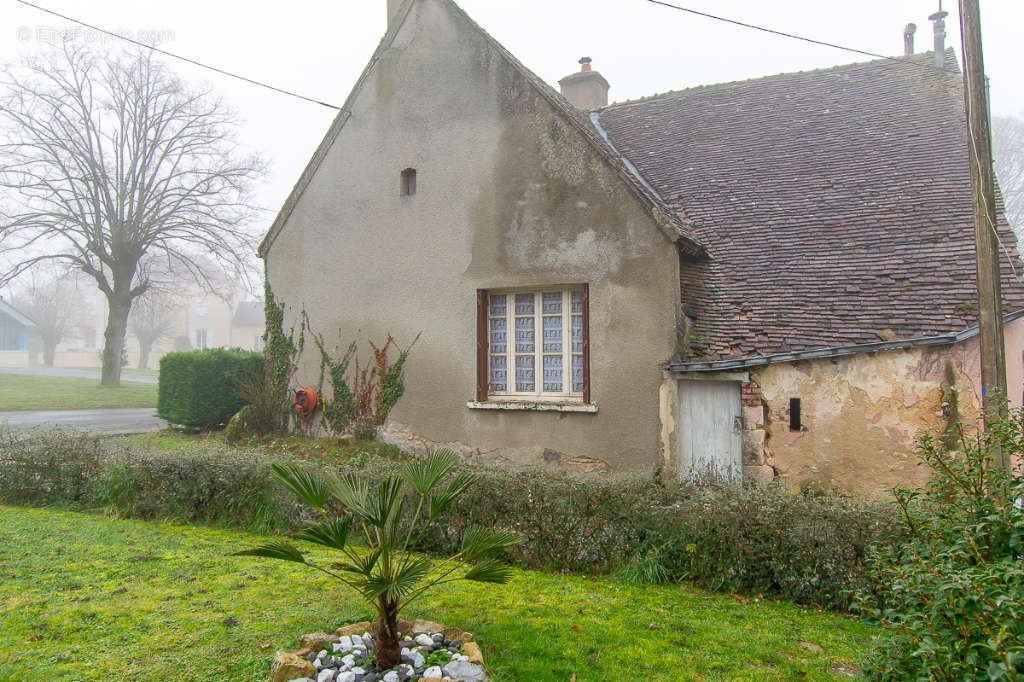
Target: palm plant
[(381, 569)]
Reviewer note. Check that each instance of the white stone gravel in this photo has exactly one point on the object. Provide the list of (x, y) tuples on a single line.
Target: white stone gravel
[(356, 663)]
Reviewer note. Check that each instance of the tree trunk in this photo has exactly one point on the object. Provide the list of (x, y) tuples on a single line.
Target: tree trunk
[(119, 304), (144, 349), (387, 652), (49, 350)]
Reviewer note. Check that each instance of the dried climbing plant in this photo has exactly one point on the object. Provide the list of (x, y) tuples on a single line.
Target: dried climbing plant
[(361, 403)]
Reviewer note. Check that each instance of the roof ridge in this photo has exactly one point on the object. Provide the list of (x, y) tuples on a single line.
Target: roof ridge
[(919, 58)]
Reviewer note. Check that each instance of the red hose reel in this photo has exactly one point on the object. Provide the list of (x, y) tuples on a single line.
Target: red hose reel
[(305, 401)]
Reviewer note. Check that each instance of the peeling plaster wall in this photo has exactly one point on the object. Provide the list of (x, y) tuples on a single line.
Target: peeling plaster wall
[(508, 195), (862, 414)]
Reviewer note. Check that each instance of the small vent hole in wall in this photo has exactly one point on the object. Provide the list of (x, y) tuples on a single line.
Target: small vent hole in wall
[(794, 414), (408, 182)]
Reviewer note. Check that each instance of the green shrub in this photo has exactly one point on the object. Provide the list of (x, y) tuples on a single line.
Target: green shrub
[(60, 468), (199, 389), (951, 598), (229, 489), (746, 538), (753, 539)]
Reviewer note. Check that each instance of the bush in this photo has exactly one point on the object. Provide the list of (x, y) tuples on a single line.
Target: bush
[(51, 468), (199, 389), (753, 539), (951, 598), (747, 538)]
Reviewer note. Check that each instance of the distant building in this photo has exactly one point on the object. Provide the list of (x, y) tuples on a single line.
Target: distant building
[(14, 328)]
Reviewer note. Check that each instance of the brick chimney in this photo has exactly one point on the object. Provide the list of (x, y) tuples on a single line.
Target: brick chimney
[(908, 39), (939, 22), (586, 89), (393, 7)]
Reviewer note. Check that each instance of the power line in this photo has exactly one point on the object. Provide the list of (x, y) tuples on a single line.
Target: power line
[(179, 57), (770, 30)]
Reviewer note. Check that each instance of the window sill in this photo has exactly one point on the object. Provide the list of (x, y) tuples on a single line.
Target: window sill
[(533, 406)]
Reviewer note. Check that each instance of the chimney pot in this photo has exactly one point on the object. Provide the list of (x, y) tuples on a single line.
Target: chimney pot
[(939, 23), (586, 89), (908, 39)]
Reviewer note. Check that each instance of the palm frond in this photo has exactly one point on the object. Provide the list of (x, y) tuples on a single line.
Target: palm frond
[(361, 565), (408, 576), (423, 474), (385, 503), (353, 493), (479, 542), (333, 533), (489, 571), (309, 487), (371, 587), (442, 499), (274, 550)]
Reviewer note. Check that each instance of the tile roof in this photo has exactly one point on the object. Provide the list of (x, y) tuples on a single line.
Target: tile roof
[(835, 204)]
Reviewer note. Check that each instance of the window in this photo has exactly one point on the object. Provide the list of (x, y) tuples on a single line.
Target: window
[(794, 415), (408, 182), (533, 344), (201, 339)]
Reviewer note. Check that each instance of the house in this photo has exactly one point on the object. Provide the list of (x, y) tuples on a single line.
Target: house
[(189, 319), (14, 327), (770, 278)]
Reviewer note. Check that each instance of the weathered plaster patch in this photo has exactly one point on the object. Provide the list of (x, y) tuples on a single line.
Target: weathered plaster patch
[(862, 414)]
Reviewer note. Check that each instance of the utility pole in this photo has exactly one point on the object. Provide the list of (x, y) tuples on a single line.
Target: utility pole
[(990, 299)]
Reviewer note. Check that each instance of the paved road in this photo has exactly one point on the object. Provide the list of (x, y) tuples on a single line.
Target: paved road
[(106, 422), (76, 373)]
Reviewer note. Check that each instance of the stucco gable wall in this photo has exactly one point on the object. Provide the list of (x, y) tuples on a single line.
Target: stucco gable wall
[(508, 195)]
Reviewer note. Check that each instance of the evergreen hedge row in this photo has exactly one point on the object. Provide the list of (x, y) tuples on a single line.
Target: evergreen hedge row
[(765, 540), (200, 389)]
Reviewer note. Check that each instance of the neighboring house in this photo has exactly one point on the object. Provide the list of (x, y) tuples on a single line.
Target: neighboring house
[(14, 328), (201, 320), (772, 277), (247, 326)]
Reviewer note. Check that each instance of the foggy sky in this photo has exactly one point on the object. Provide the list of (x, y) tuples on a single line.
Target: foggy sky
[(319, 47)]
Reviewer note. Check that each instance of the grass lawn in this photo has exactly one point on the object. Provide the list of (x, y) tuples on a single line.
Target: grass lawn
[(28, 392), (328, 450), (89, 598)]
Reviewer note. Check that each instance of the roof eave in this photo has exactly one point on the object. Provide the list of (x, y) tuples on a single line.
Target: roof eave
[(830, 351)]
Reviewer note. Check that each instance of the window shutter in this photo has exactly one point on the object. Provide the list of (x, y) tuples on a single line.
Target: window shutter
[(586, 343), (481, 345)]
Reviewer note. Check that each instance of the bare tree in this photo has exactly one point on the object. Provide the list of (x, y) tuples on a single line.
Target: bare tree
[(54, 303), (116, 164), (1008, 158), (153, 318)]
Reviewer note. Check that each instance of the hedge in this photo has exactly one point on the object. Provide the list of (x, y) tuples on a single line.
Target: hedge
[(200, 389), (754, 539)]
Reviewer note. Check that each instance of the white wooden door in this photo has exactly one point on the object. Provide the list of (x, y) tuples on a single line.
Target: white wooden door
[(710, 424)]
